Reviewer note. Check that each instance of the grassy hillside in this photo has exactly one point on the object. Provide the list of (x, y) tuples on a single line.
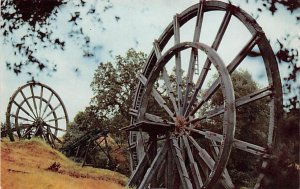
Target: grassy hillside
[(33, 164)]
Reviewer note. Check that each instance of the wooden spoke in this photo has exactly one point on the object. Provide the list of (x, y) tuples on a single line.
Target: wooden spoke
[(160, 173), (41, 101), (178, 65), (20, 117), (20, 107), (159, 99), (166, 77), (207, 63), (189, 80), (56, 128), (33, 98), (47, 105), (257, 95), (239, 144), (244, 52), (226, 181), (184, 177), (251, 148), (194, 54), (170, 90), (53, 110), (56, 119), (222, 30), (231, 67), (204, 168), (203, 153), (209, 161), (182, 148), (152, 170), (193, 165), (199, 21), (28, 104)]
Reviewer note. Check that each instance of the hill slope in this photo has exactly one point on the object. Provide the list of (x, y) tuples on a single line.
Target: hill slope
[(27, 164)]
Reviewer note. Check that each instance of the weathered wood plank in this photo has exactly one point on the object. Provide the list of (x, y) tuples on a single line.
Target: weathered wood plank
[(197, 180), (140, 170), (207, 63), (159, 99), (194, 52), (150, 127), (176, 27), (152, 170), (184, 177), (231, 67)]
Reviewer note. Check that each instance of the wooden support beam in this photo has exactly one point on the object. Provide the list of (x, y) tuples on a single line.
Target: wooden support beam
[(150, 127), (150, 174), (184, 176), (170, 171), (138, 173), (193, 165)]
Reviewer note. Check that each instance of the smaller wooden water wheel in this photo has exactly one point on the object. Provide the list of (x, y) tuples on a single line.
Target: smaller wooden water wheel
[(36, 110)]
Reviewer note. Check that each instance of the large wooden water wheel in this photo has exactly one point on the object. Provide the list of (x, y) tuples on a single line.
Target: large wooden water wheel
[(36, 110), (186, 112)]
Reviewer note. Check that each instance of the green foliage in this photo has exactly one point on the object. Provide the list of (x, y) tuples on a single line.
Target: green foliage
[(3, 130), (251, 126), (283, 170), (83, 122), (114, 89), (251, 119)]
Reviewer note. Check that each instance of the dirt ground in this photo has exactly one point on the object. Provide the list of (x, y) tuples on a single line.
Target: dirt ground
[(25, 165)]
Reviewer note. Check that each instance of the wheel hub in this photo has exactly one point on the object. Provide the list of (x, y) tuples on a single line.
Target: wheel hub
[(180, 123), (39, 122)]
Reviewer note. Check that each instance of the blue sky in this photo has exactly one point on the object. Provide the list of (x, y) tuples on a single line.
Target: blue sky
[(140, 23)]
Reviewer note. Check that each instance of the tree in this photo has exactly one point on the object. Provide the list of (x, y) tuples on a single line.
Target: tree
[(99, 154), (114, 88), (84, 121), (251, 126), (283, 169)]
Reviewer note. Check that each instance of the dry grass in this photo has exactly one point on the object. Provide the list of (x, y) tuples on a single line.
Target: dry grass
[(24, 165)]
